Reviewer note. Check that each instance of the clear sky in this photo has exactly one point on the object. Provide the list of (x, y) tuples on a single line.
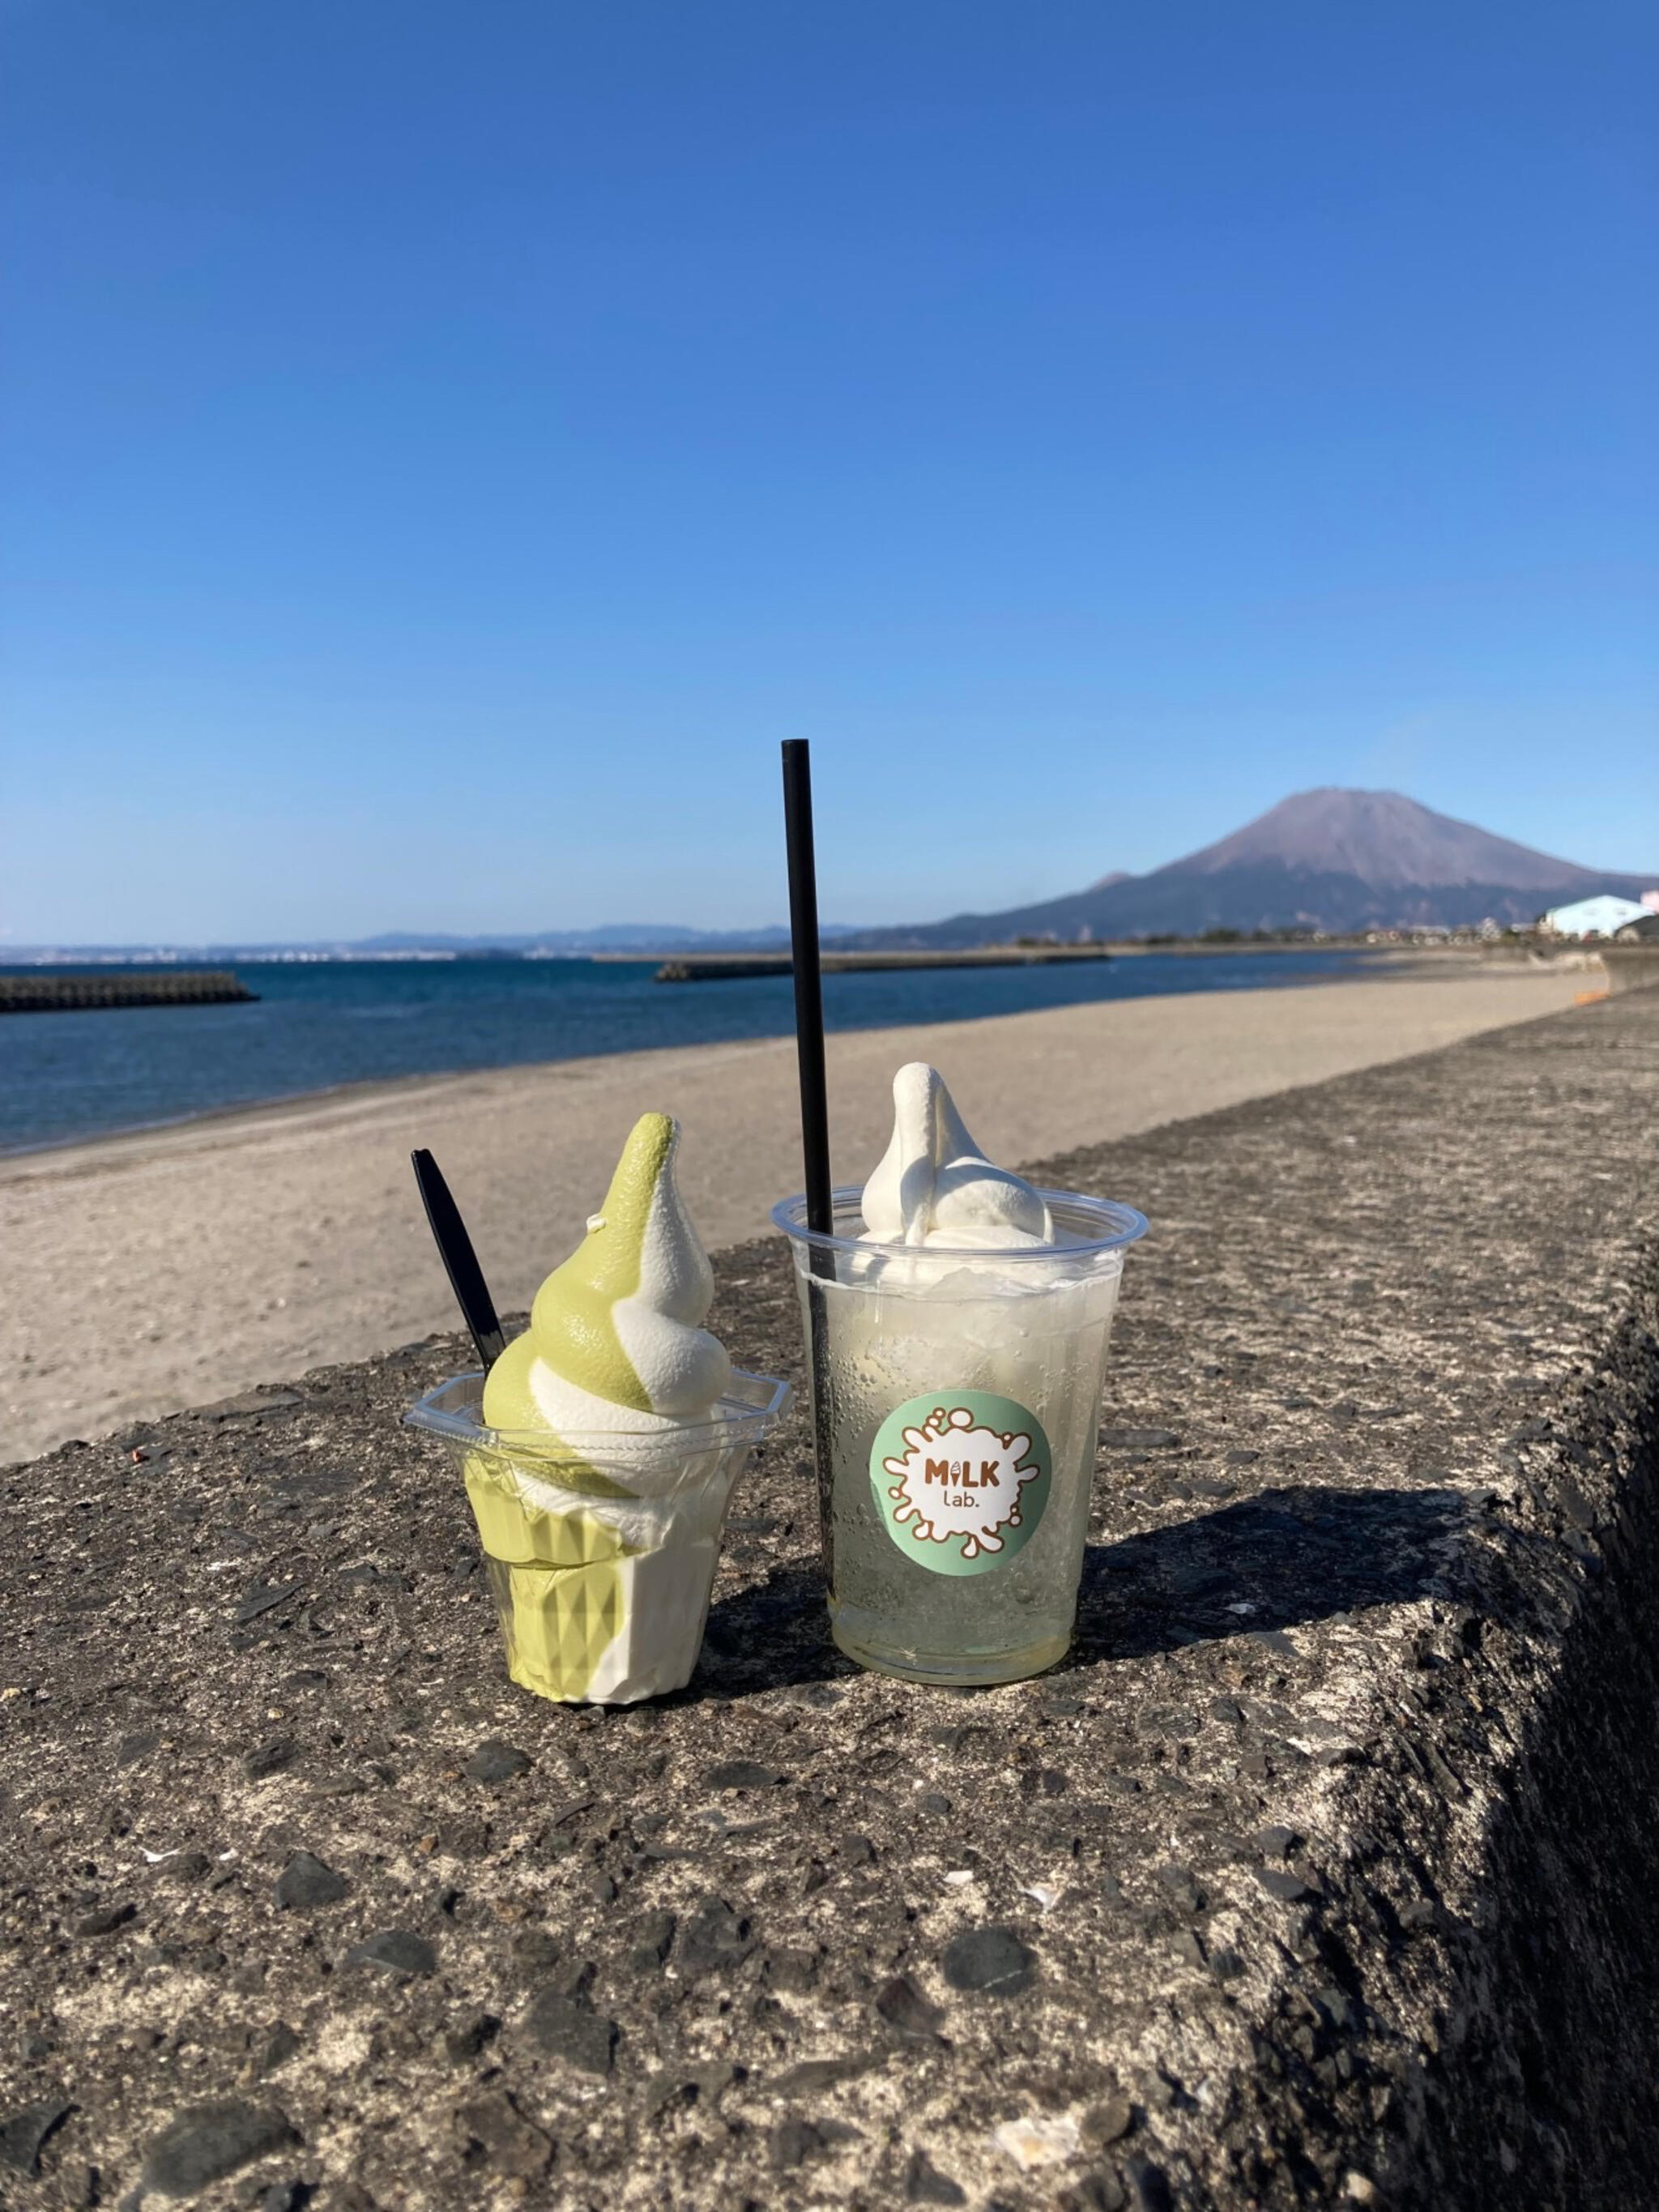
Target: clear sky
[(447, 446)]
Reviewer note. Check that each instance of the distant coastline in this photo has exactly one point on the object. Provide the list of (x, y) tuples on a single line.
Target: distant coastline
[(1330, 867), (320, 1025), (24, 960)]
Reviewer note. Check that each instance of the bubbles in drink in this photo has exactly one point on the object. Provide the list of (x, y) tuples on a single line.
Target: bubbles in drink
[(1044, 1350)]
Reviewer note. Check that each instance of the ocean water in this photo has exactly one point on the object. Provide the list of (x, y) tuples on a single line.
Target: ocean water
[(318, 1024)]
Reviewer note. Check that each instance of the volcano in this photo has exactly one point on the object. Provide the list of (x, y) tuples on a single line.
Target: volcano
[(1330, 860)]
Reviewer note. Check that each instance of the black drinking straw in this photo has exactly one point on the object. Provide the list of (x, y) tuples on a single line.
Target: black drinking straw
[(809, 982), (814, 1113), (466, 1277)]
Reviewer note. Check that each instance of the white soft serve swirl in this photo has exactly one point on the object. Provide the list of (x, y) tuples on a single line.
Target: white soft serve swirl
[(684, 1369), (935, 1186)]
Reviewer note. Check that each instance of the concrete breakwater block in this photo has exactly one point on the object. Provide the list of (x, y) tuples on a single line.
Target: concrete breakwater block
[(45, 992), (1320, 1875)]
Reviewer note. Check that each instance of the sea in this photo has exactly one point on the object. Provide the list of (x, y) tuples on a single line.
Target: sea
[(317, 1025)]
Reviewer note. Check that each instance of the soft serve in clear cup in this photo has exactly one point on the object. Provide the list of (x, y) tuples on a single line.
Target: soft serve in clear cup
[(957, 1323), (601, 1452)]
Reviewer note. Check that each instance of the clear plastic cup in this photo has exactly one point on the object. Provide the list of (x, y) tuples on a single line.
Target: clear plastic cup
[(601, 1549), (955, 1402)]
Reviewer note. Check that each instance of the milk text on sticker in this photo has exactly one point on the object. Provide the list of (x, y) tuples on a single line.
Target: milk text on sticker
[(958, 1479)]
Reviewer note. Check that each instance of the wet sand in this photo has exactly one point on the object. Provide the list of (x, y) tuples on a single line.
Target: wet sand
[(175, 1268)]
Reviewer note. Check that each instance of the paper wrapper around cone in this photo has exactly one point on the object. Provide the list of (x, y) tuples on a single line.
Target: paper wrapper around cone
[(591, 1610), (601, 1550)]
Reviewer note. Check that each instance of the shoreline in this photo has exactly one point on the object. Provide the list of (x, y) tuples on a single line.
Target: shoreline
[(1390, 964), (175, 1267), (370, 1087)]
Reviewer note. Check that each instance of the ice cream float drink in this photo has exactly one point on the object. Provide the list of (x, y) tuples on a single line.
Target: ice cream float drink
[(957, 1323)]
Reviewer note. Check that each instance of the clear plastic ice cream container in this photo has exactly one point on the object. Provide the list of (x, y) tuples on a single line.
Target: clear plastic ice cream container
[(600, 1449), (601, 1547)]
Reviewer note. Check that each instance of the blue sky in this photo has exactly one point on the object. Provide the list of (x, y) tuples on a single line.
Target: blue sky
[(445, 448)]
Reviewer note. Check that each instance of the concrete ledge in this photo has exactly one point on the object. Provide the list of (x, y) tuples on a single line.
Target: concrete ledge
[(1322, 1875), (1630, 966)]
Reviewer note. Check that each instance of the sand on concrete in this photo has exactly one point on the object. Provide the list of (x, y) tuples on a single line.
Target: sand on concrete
[(174, 1267)]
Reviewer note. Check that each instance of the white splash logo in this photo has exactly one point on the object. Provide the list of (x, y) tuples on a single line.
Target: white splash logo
[(958, 1479)]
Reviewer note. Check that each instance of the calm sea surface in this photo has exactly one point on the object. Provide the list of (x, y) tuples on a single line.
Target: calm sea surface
[(316, 1024)]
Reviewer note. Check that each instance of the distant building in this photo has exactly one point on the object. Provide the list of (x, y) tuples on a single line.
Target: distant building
[(1592, 917)]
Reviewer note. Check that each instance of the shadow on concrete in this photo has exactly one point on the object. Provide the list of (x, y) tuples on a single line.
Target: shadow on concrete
[(769, 1636), (1290, 1555), (1263, 1564)]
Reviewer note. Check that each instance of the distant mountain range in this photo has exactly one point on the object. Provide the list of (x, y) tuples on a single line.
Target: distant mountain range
[(641, 937), (644, 938), (1337, 861), (1332, 860)]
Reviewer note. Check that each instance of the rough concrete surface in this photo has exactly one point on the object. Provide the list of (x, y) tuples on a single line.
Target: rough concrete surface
[(1320, 1875)]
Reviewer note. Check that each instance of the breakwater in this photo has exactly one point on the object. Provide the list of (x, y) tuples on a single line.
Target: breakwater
[(50, 993)]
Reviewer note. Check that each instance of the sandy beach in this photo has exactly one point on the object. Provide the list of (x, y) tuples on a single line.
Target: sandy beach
[(172, 1269)]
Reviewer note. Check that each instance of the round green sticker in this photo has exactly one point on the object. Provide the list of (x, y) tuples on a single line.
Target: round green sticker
[(961, 1479)]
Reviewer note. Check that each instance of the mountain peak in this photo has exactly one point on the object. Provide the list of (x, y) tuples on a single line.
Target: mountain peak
[(1382, 838), (1330, 859)]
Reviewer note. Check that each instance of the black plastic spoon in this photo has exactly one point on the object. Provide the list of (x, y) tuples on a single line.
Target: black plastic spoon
[(460, 1260)]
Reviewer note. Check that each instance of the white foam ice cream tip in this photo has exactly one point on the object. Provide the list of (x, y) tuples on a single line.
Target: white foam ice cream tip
[(934, 1185), (683, 1369)]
